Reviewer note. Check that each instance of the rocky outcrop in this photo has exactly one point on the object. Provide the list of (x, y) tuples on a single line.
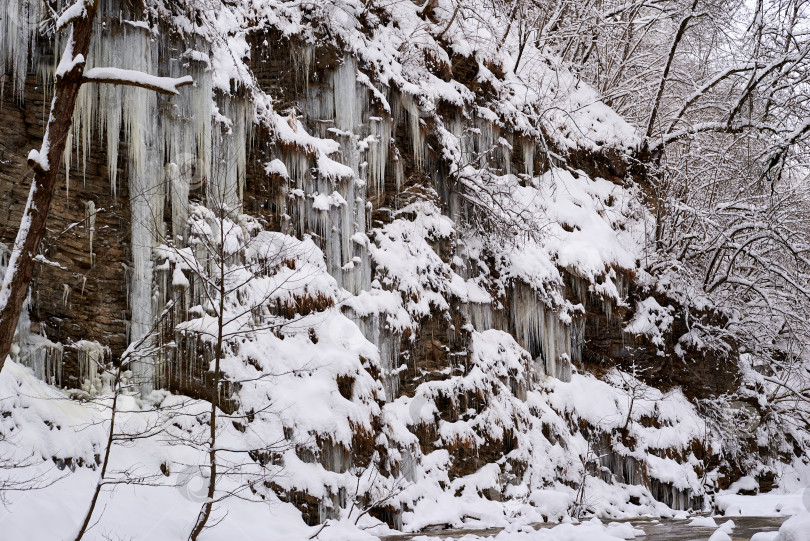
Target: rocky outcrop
[(76, 296)]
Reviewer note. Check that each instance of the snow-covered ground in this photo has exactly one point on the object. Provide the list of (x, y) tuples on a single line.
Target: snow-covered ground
[(763, 505), (45, 427)]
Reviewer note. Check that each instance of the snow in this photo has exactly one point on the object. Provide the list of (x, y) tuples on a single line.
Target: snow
[(276, 167), (323, 202), (39, 158), (167, 85), (728, 526), (761, 505), (68, 62), (77, 10), (179, 278), (746, 483), (651, 320), (703, 522), (720, 535), (335, 161), (623, 530), (796, 528), (764, 536)]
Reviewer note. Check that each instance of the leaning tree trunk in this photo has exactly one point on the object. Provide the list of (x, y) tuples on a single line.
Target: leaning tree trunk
[(46, 167)]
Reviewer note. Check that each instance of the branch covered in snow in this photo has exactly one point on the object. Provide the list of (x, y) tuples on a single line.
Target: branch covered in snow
[(117, 76)]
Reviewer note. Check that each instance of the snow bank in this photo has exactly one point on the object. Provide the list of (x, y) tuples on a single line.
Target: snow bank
[(761, 505), (796, 528)]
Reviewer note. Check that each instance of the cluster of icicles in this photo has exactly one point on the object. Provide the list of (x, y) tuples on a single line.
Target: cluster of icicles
[(198, 142)]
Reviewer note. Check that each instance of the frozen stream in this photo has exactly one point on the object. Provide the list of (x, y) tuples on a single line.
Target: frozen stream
[(678, 530), (656, 530)]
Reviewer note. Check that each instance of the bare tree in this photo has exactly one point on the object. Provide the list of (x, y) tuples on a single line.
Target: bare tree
[(139, 349)]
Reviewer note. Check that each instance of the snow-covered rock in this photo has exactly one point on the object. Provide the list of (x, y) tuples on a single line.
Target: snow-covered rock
[(796, 528)]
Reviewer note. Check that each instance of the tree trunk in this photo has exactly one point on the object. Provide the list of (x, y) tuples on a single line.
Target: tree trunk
[(205, 511), (110, 439), (32, 228), (665, 75)]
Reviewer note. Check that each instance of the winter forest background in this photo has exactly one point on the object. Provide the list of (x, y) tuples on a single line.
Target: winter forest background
[(345, 269)]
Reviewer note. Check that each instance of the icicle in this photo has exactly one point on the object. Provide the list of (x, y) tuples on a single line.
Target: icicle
[(335, 208), (168, 155), (302, 58), (226, 184), (505, 156), (410, 465), (180, 184), (387, 342), (480, 315), (348, 123), (415, 127), (378, 154), (344, 88), (19, 26), (528, 157), (187, 133), (43, 357), (91, 355), (199, 107), (90, 217), (399, 174), (111, 120), (485, 142), (66, 159), (144, 173), (577, 334), (539, 330)]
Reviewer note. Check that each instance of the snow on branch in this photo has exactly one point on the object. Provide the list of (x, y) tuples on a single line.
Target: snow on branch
[(73, 13), (703, 127), (117, 76), (38, 159)]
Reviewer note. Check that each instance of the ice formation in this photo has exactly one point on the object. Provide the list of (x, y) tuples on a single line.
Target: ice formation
[(201, 140), (92, 358), (90, 219), (18, 33), (541, 332)]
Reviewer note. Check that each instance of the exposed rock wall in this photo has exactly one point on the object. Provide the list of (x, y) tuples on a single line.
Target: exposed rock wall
[(76, 298)]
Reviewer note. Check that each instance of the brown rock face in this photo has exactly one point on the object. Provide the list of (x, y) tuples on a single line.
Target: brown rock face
[(82, 297), (699, 373)]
